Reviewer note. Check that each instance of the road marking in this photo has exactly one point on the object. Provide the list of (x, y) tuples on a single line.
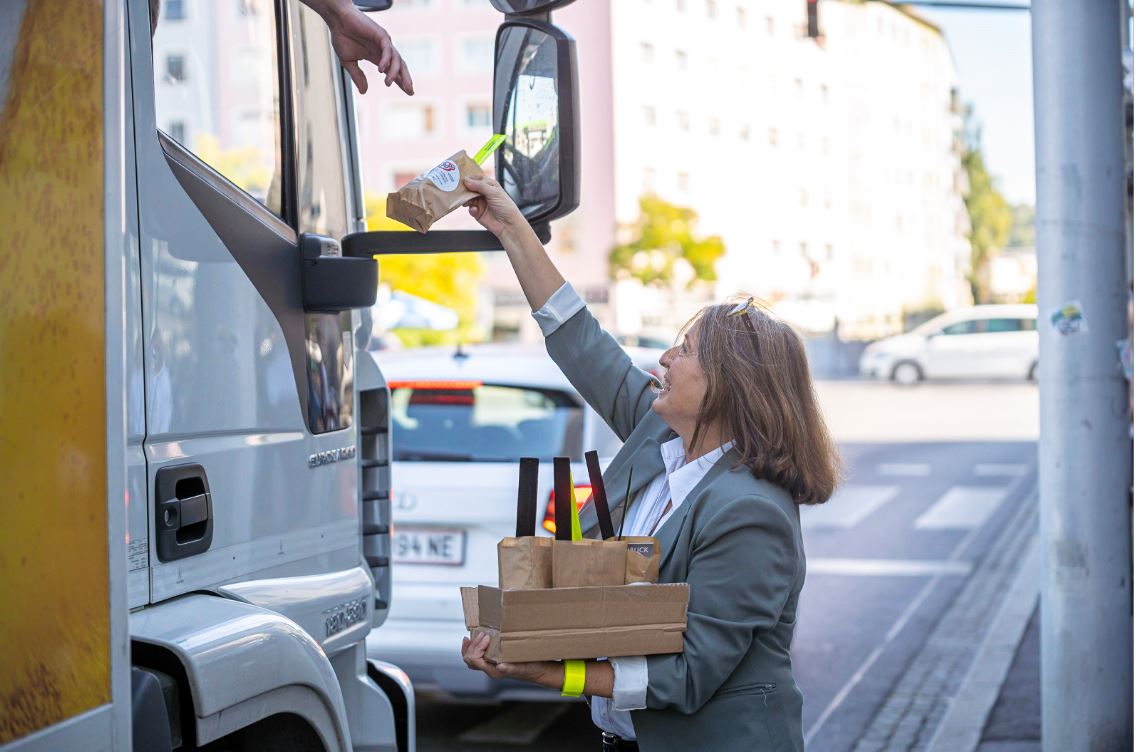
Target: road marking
[(862, 670), (1000, 471), (847, 507), (889, 567), (961, 508), (904, 469), (518, 726)]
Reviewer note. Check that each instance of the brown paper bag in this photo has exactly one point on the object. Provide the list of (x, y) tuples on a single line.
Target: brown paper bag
[(642, 559), (524, 563), (586, 563), (435, 193)]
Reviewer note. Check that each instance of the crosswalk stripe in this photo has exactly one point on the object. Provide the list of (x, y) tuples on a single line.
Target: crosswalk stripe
[(999, 470), (904, 469), (847, 507), (889, 567), (961, 508)]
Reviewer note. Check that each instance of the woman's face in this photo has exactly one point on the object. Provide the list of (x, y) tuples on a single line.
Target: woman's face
[(684, 385)]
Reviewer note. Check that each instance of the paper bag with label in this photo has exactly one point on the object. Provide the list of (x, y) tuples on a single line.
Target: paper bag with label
[(642, 559), (524, 563), (435, 193), (587, 563)]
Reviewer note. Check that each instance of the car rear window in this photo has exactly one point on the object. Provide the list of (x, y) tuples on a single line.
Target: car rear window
[(438, 421)]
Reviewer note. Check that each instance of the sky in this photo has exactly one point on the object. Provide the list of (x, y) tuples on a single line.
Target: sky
[(991, 50)]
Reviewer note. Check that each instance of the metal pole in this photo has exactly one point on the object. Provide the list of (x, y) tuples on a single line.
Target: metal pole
[(1085, 456)]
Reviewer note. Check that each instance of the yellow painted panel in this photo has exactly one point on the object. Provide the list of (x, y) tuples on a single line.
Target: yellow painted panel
[(54, 601)]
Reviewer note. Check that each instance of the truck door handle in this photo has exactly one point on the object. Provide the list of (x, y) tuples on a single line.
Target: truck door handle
[(183, 510)]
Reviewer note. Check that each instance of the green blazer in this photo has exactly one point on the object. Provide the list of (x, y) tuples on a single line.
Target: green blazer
[(737, 542)]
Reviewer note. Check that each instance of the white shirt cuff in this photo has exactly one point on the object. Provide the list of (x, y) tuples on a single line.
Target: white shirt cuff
[(561, 306), (629, 691)]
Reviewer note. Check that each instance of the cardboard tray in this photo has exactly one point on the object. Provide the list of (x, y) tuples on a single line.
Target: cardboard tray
[(584, 622)]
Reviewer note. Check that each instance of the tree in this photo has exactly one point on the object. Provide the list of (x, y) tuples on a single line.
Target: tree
[(990, 216), (1022, 234), (449, 279), (664, 237)]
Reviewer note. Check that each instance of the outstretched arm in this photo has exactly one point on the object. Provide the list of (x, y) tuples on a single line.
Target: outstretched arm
[(356, 37), (496, 212)]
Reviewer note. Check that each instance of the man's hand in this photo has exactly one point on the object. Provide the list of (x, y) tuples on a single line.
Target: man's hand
[(356, 37)]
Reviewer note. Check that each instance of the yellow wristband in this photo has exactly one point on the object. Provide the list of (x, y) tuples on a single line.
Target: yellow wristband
[(574, 674)]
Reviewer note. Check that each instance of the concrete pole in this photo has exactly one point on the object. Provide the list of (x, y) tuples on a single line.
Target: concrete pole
[(1085, 455)]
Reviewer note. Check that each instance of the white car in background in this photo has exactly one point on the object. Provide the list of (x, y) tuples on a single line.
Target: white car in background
[(460, 421), (986, 341)]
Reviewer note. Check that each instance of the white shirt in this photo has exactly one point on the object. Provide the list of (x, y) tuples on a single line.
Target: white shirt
[(648, 513)]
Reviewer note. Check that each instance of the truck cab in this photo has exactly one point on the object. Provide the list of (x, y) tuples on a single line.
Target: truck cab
[(225, 539)]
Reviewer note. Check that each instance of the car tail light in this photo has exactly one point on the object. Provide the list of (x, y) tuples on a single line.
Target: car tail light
[(449, 386), (582, 494)]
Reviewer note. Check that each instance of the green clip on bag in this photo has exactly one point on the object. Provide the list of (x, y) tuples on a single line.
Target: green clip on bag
[(438, 191)]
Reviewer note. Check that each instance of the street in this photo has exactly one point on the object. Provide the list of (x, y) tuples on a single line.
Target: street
[(907, 566)]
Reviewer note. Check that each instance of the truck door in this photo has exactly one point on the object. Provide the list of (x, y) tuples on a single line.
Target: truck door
[(249, 400)]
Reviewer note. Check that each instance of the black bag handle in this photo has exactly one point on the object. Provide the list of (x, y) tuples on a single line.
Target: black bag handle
[(526, 497), (562, 491), (599, 495)]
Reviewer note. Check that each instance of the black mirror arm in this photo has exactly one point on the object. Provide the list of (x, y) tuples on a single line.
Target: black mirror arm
[(396, 242)]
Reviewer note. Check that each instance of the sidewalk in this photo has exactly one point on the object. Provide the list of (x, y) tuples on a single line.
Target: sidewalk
[(1014, 724)]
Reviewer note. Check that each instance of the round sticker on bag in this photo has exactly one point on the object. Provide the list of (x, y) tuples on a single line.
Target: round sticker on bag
[(446, 175)]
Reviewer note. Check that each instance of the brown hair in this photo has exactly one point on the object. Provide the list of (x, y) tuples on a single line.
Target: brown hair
[(758, 385)]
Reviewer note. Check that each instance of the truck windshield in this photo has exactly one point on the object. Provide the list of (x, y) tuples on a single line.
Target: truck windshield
[(440, 421)]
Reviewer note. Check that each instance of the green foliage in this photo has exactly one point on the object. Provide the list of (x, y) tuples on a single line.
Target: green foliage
[(449, 279), (665, 234), (990, 216)]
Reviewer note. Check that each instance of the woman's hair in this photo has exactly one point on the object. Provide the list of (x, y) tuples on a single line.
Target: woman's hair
[(758, 385)]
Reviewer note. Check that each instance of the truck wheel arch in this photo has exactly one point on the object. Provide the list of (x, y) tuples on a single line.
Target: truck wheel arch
[(283, 670)]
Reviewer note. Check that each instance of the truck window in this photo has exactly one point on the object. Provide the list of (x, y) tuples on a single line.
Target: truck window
[(217, 93)]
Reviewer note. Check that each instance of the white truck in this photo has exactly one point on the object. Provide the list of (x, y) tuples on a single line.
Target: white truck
[(197, 524)]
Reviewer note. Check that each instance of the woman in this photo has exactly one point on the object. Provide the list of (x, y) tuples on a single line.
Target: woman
[(723, 452)]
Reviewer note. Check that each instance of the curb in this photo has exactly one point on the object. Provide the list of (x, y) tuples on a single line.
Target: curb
[(961, 728)]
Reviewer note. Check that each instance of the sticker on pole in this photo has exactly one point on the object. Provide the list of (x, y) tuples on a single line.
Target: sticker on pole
[(1069, 319), (446, 176)]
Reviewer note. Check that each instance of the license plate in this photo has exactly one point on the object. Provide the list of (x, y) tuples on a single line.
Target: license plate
[(428, 546)]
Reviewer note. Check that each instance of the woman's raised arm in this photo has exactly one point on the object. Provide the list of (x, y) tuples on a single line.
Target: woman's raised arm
[(496, 212)]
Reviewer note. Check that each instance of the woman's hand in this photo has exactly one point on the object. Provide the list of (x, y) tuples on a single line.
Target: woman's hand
[(356, 37), (545, 673), (493, 209)]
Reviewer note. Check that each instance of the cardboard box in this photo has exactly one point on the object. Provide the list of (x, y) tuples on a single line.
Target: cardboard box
[(583, 622)]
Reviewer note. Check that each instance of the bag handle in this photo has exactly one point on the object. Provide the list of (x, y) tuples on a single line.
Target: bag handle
[(526, 497), (599, 495)]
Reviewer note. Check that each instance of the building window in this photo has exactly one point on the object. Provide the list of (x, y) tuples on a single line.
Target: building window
[(828, 251), (175, 10), (648, 114), (175, 68), (421, 55), (825, 145), (824, 93), (770, 26), (715, 126), (772, 136), (776, 247), (247, 7), (176, 131), (683, 181), (680, 6), (741, 18), (648, 180), (476, 55), (405, 120), (804, 249), (743, 133), (711, 9), (646, 52), (681, 60), (683, 119), (478, 116), (804, 197)]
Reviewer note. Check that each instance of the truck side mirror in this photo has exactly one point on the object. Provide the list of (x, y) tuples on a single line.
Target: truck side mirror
[(535, 104)]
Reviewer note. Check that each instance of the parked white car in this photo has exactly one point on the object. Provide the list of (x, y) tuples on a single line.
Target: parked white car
[(460, 421), (986, 341)]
